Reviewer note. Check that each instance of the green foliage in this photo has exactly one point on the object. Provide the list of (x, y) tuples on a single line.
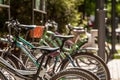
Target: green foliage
[(90, 7), (118, 8), (63, 12), (109, 10), (21, 10)]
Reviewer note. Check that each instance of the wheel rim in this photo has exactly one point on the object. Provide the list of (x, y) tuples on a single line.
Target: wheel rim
[(92, 64)]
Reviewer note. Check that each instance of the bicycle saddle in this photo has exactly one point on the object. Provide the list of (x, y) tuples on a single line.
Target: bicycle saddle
[(46, 48), (27, 27), (78, 28), (79, 31), (63, 37)]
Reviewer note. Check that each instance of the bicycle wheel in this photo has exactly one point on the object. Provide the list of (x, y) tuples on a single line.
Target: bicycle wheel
[(7, 74), (107, 52), (13, 62), (89, 62), (74, 74), (2, 76), (11, 58)]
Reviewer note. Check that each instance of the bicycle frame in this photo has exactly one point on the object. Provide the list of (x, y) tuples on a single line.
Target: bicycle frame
[(19, 44), (24, 74), (19, 41), (25, 50), (75, 46)]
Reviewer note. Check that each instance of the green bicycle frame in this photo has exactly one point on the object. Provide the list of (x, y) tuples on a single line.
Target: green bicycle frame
[(25, 50), (74, 47)]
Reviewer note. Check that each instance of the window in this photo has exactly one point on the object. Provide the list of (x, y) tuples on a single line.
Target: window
[(38, 10), (37, 4)]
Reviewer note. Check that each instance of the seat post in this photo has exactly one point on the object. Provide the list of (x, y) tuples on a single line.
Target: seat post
[(61, 47), (40, 66)]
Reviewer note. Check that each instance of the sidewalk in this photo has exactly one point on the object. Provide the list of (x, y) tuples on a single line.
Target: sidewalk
[(114, 65), (114, 68)]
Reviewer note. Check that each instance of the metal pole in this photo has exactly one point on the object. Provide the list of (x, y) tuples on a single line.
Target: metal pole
[(9, 13), (32, 15), (41, 7), (113, 16), (101, 29), (96, 15)]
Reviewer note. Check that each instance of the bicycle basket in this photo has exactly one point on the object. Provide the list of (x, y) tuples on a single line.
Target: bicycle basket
[(37, 32)]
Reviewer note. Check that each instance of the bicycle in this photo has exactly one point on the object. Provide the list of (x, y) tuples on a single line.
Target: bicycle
[(84, 60), (34, 75), (92, 42), (105, 71), (83, 55), (24, 73), (67, 75)]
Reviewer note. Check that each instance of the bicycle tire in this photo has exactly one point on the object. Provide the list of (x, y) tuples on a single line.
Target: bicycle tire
[(102, 70), (79, 73), (11, 58), (2, 76), (107, 52), (13, 62), (106, 55)]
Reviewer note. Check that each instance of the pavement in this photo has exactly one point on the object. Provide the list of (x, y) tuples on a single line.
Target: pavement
[(114, 69), (114, 65)]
